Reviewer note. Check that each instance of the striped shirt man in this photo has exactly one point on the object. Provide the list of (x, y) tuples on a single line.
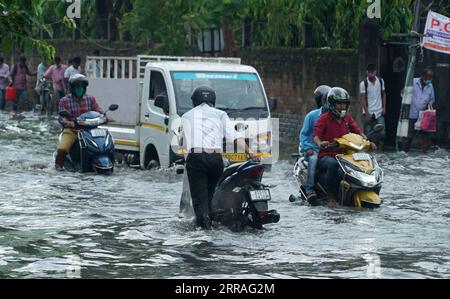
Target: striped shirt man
[(77, 107)]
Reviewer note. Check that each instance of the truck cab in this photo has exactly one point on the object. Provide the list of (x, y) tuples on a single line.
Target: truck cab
[(153, 92)]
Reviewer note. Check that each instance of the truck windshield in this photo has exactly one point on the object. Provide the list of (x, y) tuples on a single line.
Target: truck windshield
[(236, 92)]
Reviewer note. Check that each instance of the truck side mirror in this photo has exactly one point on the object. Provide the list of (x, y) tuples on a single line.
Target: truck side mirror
[(273, 103), (163, 103), (113, 107)]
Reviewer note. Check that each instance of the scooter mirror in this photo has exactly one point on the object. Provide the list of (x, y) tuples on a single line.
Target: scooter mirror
[(240, 127), (64, 113), (113, 107)]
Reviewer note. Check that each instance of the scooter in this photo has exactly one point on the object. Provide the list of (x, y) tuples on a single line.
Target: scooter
[(239, 200), (94, 151), (361, 175), (45, 95)]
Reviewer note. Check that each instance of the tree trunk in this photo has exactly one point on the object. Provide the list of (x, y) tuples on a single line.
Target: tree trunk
[(228, 36)]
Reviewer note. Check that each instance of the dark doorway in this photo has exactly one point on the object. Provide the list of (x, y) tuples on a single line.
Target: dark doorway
[(393, 64)]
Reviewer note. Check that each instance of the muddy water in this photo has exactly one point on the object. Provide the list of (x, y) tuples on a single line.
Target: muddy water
[(71, 225)]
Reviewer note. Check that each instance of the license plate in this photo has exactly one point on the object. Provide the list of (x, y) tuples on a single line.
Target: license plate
[(98, 133), (361, 157), (257, 195), (235, 157)]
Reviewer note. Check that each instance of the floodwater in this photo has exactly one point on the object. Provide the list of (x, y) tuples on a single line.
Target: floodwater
[(127, 225)]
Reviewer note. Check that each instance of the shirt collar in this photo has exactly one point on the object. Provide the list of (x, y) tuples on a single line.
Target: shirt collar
[(376, 79), (74, 98)]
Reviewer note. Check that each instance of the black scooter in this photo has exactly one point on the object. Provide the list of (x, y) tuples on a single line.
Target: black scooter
[(240, 199), (94, 151)]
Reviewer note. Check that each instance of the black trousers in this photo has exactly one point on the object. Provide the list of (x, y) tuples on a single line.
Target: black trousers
[(204, 171)]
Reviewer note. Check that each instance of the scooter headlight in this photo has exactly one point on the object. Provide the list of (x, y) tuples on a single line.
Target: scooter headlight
[(367, 180), (91, 142), (107, 141), (378, 173)]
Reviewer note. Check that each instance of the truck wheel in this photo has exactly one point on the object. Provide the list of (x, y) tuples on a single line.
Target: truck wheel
[(153, 164)]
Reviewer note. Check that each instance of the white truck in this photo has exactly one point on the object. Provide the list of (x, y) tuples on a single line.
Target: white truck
[(153, 92)]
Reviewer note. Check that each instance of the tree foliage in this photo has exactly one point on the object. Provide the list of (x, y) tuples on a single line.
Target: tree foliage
[(20, 20), (275, 23), (169, 26)]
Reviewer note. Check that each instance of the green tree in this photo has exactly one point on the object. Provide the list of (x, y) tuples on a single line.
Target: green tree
[(165, 24), (20, 22)]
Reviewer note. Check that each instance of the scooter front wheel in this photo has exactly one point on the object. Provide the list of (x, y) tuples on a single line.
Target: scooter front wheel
[(104, 171)]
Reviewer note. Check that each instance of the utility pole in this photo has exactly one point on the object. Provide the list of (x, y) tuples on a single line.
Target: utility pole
[(403, 123)]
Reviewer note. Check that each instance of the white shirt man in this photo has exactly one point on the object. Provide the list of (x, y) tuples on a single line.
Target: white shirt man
[(373, 103), (204, 129), (374, 96)]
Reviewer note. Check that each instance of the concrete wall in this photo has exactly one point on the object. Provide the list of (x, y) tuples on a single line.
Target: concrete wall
[(291, 75)]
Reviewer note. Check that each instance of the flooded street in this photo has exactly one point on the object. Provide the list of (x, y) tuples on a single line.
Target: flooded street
[(127, 225)]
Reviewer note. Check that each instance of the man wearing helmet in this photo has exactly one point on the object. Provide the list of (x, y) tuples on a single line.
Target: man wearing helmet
[(333, 124), (204, 128), (77, 102), (307, 146)]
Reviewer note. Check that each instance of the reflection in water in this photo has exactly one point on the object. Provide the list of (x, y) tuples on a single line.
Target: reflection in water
[(71, 225)]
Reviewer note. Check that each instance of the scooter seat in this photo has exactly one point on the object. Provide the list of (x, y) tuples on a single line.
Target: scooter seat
[(228, 171)]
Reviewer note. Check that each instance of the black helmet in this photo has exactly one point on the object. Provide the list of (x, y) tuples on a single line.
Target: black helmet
[(338, 95), (320, 94), (203, 94)]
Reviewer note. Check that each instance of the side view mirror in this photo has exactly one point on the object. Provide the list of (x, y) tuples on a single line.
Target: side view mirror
[(273, 103), (113, 107), (163, 103), (241, 127), (178, 131), (64, 113)]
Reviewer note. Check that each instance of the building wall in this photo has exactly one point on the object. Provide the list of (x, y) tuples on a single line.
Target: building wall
[(291, 76)]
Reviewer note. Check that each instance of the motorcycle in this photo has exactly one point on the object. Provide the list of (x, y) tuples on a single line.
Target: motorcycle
[(45, 95), (361, 175), (94, 151)]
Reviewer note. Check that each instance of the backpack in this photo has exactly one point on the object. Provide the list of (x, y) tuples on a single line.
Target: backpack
[(366, 86)]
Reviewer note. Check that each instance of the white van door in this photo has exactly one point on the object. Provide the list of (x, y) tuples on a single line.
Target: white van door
[(155, 135)]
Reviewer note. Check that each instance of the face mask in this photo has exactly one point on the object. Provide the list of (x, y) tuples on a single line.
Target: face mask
[(79, 91), (342, 113), (427, 82)]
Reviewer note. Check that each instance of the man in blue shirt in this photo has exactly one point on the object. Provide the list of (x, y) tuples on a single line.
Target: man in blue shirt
[(423, 96), (307, 145)]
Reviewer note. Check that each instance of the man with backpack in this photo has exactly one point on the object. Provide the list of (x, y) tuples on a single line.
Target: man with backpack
[(373, 102)]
